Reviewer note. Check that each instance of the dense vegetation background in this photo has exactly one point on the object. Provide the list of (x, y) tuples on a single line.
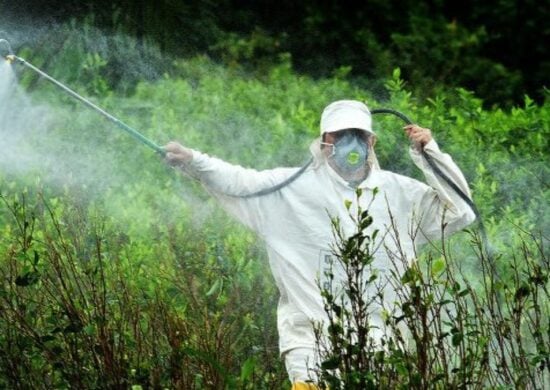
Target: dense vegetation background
[(116, 271), (499, 49)]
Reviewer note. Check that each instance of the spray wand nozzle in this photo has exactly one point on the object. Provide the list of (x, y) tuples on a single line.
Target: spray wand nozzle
[(6, 51)]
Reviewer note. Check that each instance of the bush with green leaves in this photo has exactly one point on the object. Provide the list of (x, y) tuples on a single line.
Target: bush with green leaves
[(447, 328), (86, 305)]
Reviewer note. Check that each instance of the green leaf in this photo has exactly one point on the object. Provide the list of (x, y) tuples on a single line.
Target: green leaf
[(365, 223), (215, 287), (409, 276), (27, 279), (248, 369), (89, 330), (457, 339), (335, 329), (396, 73), (401, 369), (36, 258), (464, 292), (73, 327), (332, 363), (522, 292), (438, 266)]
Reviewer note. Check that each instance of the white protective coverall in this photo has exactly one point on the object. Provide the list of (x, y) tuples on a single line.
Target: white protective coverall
[(295, 224)]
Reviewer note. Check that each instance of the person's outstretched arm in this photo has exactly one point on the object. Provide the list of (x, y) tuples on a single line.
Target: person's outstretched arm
[(229, 183)]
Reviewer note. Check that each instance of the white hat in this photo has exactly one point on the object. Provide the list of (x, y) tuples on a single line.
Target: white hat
[(346, 114)]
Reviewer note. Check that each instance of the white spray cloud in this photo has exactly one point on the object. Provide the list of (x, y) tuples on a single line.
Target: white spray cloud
[(20, 121), (57, 140)]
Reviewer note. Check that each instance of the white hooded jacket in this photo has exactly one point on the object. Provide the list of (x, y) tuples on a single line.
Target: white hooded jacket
[(295, 222)]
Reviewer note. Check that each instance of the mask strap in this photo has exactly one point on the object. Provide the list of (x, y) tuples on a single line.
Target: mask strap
[(333, 148)]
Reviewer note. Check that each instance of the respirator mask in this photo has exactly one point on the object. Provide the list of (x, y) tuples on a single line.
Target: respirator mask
[(349, 154)]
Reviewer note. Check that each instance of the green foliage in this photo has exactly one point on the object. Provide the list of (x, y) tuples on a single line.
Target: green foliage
[(79, 54), (439, 330), (499, 49), (86, 305)]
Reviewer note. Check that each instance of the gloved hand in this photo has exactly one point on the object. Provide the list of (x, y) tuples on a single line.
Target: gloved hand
[(419, 136), (177, 155)]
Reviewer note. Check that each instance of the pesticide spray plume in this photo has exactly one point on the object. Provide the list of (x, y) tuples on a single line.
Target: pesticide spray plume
[(7, 53)]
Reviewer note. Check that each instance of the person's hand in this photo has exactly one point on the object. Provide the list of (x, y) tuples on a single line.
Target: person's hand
[(419, 136), (177, 155)]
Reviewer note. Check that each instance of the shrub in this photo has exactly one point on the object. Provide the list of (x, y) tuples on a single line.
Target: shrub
[(84, 305), (447, 329)]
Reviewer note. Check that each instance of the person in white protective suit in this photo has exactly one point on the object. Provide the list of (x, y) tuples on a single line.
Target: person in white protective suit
[(295, 221)]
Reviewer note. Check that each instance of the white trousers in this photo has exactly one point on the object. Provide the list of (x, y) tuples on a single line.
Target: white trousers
[(300, 364)]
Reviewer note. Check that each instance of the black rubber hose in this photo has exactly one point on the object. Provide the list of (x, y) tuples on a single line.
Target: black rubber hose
[(452, 184), (297, 174), (428, 158), (277, 187), (431, 162)]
